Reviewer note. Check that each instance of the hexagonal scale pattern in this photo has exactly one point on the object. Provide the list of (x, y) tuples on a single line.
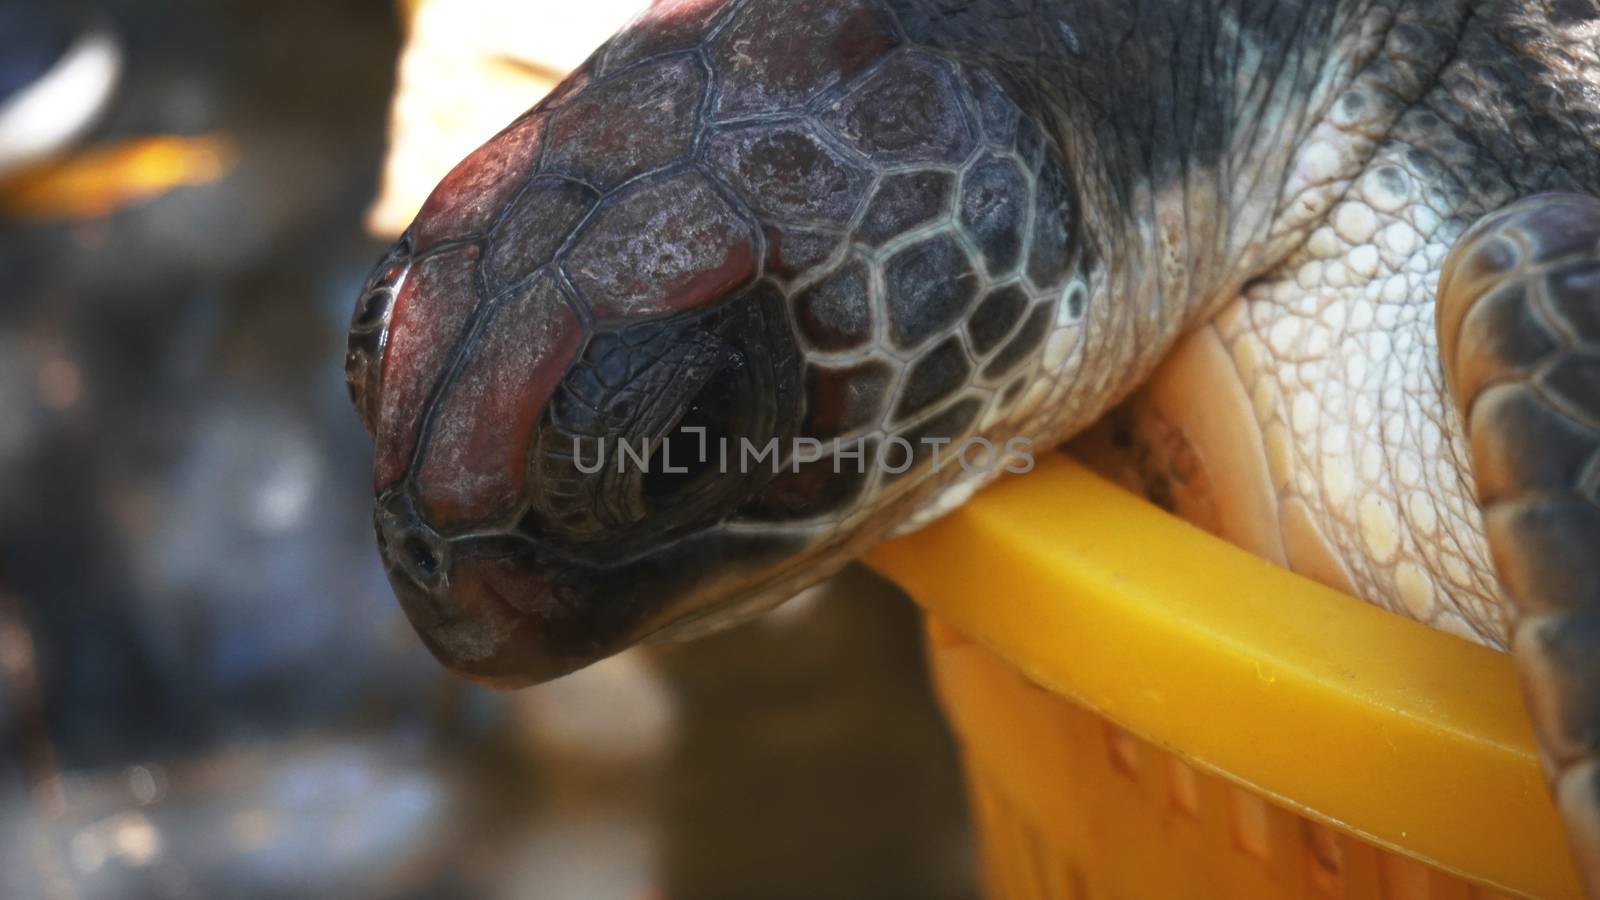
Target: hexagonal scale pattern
[(908, 111), (536, 224), (786, 173), (905, 201), (670, 245), (590, 141), (833, 313), (930, 287), (766, 63), (906, 224)]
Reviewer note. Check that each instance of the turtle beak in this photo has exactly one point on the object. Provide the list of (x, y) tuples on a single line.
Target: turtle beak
[(499, 618)]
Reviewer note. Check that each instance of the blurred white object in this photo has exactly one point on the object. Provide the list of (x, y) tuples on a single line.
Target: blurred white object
[(59, 107), (468, 68), (616, 712)]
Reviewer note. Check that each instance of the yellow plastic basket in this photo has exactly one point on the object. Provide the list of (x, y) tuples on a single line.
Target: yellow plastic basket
[(1146, 712)]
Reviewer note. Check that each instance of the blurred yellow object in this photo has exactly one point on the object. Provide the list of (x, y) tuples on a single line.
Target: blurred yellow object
[(101, 179), (1148, 712), (468, 68)]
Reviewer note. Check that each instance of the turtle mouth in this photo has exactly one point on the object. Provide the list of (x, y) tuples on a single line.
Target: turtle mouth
[(369, 330), (489, 608), (506, 611)]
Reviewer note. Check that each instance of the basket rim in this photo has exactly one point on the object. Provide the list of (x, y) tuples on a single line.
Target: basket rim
[(1404, 736)]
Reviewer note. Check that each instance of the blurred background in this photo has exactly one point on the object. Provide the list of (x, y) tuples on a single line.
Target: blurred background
[(206, 688)]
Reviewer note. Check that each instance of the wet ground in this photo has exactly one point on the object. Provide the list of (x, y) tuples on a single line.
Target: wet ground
[(205, 686)]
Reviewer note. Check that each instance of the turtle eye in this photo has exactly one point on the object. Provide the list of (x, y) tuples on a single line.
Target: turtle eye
[(363, 360), (689, 456)]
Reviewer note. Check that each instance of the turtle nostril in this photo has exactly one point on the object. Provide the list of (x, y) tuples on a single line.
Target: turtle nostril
[(409, 548), (422, 556)]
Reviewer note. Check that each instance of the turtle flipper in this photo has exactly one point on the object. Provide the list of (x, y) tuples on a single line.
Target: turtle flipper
[(1519, 333)]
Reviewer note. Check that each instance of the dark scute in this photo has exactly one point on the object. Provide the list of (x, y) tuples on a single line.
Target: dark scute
[(1574, 295), (617, 262), (842, 400), (536, 224), (427, 319), (996, 316), (1566, 659), (1520, 443), (778, 56), (996, 113), (1503, 329), (950, 425), (833, 313), (634, 122), (1027, 340), (475, 192), (1573, 384), (1050, 257), (935, 377), (931, 286), (795, 251), (908, 111), (786, 173), (994, 196), (905, 201), (813, 489), (1561, 226), (1544, 549), (667, 26)]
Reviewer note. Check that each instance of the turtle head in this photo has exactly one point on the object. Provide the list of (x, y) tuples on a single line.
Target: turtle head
[(630, 371)]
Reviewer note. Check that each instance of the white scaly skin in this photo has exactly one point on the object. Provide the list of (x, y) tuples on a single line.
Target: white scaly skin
[(1363, 446), (1359, 461), (1318, 421), (1357, 473)]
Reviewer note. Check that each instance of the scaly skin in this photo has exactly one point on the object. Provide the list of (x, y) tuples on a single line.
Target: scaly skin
[(909, 218)]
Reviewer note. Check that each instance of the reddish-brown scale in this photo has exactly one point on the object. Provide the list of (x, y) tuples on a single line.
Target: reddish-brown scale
[(843, 400), (534, 228), (668, 25), (481, 632), (475, 465), (795, 250), (904, 112), (507, 623), (768, 64), (787, 173), (863, 39), (576, 81), (628, 125), (469, 198), (669, 246), (423, 330)]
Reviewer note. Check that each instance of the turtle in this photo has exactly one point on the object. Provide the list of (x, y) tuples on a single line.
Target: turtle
[(762, 283)]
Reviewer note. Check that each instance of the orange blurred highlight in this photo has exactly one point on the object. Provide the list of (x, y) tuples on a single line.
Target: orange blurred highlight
[(101, 179)]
